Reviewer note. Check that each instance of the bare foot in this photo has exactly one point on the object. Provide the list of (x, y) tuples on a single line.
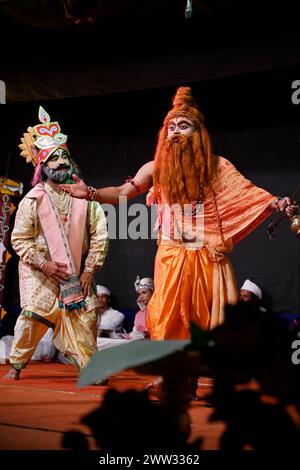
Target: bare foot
[(12, 374)]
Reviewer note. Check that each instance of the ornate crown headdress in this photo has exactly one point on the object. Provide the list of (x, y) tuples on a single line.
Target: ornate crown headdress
[(40, 141), (145, 283)]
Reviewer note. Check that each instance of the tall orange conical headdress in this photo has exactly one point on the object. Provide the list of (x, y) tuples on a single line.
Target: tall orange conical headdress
[(184, 105), (40, 141)]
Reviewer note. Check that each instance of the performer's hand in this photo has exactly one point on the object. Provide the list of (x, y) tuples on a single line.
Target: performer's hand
[(56, 271), (86, 282), (288, 205), (78, 189)]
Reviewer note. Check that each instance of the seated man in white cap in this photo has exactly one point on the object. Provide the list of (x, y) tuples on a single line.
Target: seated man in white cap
[(109, 321), (144, 288), (251, 293)]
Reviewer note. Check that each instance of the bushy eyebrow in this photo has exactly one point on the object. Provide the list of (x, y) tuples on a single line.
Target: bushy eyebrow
[(64, 154), (181, 121)]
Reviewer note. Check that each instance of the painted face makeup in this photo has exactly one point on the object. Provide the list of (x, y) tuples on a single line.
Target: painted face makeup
[(180, 126), (58, 168)]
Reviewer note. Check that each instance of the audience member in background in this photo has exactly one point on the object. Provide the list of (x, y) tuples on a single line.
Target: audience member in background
[(251, 293), (144, 289), (109, 321), (45, 351)]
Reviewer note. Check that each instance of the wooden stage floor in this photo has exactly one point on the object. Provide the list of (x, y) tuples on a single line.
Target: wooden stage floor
[(39, 408)]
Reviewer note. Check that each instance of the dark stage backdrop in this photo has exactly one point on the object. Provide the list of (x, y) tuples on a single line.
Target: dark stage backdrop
[(253, 123)]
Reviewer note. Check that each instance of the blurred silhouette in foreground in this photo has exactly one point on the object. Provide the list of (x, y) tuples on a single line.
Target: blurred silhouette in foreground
[(255, 391)]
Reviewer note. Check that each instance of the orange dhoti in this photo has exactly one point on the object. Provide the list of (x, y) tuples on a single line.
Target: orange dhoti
[(195, 284), (189, 287)]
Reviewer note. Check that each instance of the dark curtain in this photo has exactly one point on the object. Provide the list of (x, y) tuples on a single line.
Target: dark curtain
[(253, 123)]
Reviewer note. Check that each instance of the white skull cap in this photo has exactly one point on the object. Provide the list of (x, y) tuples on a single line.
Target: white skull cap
[(103, 290), (251, 287), (145, 283)]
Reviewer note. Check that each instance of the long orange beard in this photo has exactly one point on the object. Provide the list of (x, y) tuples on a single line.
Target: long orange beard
[(180, 168)]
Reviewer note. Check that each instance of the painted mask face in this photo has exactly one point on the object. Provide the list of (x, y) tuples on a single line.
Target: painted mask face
[(180, 126), (58, 168)]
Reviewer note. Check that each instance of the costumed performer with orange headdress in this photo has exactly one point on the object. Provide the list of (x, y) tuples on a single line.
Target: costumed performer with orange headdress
[(205, 207)]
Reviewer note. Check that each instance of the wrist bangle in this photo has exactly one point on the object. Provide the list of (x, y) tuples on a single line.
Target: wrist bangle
[(89, 270), (92, 193), (43, 263)]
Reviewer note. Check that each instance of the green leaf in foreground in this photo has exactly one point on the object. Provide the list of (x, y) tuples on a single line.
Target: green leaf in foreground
[(125, 356)]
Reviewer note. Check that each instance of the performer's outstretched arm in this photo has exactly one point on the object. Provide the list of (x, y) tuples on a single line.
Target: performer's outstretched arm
[(111, 195)]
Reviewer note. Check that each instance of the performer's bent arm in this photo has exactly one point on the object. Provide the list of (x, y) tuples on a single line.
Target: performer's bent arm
[(22, 237), (24, 242), (98, 238), (111, 195)]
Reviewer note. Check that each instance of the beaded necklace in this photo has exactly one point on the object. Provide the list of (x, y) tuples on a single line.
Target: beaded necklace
[(61, 202)]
